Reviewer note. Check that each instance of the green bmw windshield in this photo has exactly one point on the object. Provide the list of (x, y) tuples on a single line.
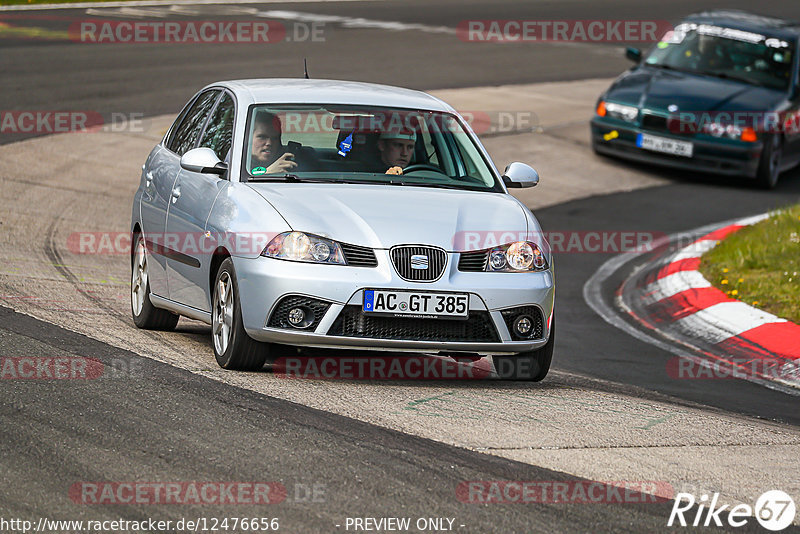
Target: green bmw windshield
[(727, 53)]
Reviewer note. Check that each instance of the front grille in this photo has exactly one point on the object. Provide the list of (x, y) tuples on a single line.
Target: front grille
[(353, 323), (473, 262), (280, 315), (672, 125), (402, 261), (359, 256), (537, 332), (654, 122)]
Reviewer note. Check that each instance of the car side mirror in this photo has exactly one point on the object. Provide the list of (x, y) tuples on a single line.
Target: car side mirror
[(634, 54), (203, 160), (519, 175)]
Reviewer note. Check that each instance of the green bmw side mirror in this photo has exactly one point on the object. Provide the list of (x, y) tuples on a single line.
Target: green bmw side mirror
[(634, 54)]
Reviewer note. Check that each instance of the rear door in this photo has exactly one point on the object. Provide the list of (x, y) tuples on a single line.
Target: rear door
[(160, 179), (188, 272)]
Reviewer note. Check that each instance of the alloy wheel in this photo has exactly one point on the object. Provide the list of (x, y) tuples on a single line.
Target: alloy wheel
[(222, 317)]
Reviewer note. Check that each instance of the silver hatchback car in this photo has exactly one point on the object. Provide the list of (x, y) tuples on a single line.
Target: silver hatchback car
[(334, 214)]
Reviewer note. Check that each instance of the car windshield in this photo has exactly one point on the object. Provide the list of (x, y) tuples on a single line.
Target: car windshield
[(727, 53), (362, 144)]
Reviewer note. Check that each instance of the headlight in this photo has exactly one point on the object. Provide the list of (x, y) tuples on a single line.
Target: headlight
[(730, 131), (621, 111), (521, 256), (297, 246)]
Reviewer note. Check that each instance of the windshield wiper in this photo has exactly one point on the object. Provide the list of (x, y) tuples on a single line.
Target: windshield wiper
[(666, 66), (727, 76), (285, 178), (438, 186), (293, 178)]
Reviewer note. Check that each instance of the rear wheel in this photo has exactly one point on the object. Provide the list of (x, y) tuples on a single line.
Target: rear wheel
[(145, 315), (769, 167), (532, 366), (233, 348)]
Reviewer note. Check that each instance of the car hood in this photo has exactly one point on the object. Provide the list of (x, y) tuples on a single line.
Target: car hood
[(657, 89), (380, 216)]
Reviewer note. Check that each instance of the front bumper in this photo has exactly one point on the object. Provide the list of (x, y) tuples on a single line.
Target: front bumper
[(720, 157), (263, 282)]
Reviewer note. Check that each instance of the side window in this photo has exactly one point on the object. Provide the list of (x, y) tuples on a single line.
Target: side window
[(218, 133), (184, 137)]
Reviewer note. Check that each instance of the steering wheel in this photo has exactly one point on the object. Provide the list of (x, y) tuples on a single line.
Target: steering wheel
[(422, 166)]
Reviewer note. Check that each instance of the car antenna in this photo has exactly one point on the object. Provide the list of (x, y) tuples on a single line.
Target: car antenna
[(305, 68)]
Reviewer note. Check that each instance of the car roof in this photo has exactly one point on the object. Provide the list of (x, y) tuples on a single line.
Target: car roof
[(304, 91), (743, 20)]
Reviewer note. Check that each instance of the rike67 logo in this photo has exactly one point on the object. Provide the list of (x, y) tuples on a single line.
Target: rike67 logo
[(774, 510)]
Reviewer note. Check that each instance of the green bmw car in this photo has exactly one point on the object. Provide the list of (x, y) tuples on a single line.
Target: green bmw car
[(719, 93)]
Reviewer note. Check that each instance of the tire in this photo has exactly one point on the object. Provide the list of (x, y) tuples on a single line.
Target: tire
[(769, 167), (145, 315), (530, 366), (233, 348)]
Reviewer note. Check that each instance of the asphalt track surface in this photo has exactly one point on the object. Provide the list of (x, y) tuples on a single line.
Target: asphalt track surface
[(169, 423), (161, 425)]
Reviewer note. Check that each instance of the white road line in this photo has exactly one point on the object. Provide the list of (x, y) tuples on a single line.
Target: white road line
[(752, 220), (723, 321), (357, 22), (695, 250), (82, 5), (592, 295), (133, 12), (671, 285)]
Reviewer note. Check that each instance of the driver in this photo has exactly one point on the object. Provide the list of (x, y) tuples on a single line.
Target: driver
[(396, 149), (267, 154)]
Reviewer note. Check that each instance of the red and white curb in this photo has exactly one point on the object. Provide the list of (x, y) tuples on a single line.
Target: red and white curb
[(672, 298)]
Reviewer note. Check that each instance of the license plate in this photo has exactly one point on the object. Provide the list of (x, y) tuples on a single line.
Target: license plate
[(662, 144), (416, 304)]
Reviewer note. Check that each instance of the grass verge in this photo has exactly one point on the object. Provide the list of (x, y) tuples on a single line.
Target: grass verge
[(760, 264)]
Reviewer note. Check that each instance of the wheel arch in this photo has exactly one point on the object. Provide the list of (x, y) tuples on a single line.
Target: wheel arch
[(220, 254), (135, 232)]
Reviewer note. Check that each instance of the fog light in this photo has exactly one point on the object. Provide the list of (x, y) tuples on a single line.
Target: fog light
[(321, 251), (297, 317), (523, 326), (497, 260)]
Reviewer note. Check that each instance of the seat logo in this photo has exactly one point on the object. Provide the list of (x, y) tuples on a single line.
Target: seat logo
[(419, 261)]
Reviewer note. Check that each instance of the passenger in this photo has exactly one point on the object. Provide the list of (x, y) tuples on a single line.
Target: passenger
[(267, 154)]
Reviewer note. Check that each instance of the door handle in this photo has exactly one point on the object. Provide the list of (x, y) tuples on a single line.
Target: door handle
[(176, 193)]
